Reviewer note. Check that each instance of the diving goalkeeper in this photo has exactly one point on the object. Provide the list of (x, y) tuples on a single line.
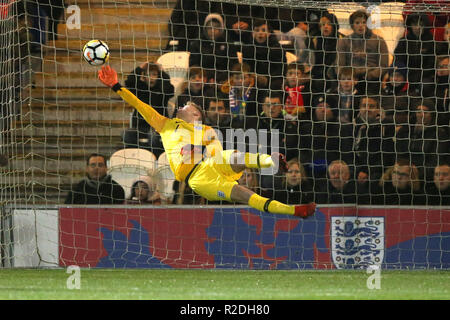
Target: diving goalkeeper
[(196, 155)]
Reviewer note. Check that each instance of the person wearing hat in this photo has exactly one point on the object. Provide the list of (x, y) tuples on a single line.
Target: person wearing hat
[(212, 51), (143, 191)]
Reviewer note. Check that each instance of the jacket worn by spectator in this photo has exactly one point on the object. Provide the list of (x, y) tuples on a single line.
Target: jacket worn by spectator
[(424, 145), (367, 53), (185, 21), (326, 193), (436, 197), (212, 52), (417, 52), (374, 147), (324, 48), (388, 195), (299, 194), (287, 133), (88, 191), (266, 59)]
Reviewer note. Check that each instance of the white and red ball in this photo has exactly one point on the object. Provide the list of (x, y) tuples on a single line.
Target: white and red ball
[(96, 52)]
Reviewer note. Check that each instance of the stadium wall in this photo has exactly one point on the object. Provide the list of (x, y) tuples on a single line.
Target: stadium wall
[(231, 238)]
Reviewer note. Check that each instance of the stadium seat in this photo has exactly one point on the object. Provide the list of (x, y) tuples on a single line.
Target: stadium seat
[(176, 64), (126, 165), (164, 178)]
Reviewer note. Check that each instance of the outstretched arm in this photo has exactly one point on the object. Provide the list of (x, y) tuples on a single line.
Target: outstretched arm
[(108, 76)]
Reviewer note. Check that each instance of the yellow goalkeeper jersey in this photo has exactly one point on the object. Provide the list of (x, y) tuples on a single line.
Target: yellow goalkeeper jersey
[(184, 143)]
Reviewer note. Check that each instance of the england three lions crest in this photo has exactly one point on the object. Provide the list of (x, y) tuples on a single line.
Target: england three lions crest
[(357, 242)]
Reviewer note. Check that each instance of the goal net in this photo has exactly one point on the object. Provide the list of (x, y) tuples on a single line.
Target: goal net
[(355, 94)]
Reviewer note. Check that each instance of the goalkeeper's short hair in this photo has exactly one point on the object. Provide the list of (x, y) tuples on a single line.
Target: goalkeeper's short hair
[(193, 104)]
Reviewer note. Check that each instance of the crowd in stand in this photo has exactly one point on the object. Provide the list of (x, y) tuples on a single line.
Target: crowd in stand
[(358, 124)]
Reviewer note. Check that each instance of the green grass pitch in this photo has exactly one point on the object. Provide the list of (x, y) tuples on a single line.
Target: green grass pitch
[(123, 284)]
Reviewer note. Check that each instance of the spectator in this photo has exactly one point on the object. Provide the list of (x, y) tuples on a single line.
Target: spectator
[(238, 19), (400, 185), (397, 110), (436, 11), (296, 188), (348, 95), (218, 114), (143, 191), (250, 179), (151, 85), (54, 10), (212, 51), (373, 141), (340, 188), (98, 187), (192, 89), (324, 46), (395, 82), (297, 38), (265, 56), (443, 47), (416, 50), (298, 92), (395, 93), (423, 139), (442, 91), (329, 141), (364, 51), (185, 21), (272, 119), (242, 95), (438, 191), (43, 13)]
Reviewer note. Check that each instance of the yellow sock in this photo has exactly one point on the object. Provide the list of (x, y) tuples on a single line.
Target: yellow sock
[(259, 203), (258, 160)]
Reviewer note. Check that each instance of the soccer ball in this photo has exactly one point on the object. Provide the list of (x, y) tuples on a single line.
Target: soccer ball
[(96, 52)]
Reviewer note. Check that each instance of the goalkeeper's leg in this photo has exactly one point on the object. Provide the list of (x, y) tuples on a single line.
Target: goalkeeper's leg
[(244, 195), (240, 161)]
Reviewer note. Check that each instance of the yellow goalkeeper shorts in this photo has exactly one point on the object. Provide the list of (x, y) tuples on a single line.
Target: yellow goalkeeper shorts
[(213, 180)]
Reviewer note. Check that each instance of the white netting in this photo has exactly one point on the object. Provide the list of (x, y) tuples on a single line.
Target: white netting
[(362, 117), (69, 114)]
